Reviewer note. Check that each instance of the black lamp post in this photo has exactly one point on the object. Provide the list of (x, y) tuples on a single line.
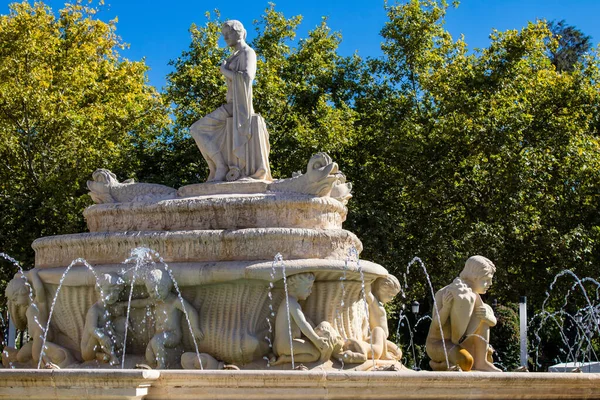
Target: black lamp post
[(414, 307)]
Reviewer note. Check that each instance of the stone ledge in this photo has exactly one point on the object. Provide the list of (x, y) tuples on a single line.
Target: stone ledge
[(373, 385), (215, 272), (75, 384), (196, 246), (235, 211), (185, 384), (243, 186)]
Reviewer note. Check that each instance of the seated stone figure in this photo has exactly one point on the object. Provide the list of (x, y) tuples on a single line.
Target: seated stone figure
[(307, 345), (233, 140), (99, 331), (377, 347), (465, 321), (168, 313), (338, 348), (32, 316)]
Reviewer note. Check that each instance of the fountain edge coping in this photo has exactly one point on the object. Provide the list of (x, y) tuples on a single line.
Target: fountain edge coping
[(190, 274), (188, 384)]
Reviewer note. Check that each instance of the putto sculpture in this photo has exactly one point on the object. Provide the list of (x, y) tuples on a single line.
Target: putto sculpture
[(30, 310), (100, 336), (465, 319), (169, 311)]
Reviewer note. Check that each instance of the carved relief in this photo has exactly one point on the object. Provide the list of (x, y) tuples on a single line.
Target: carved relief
[(105, 188), (322, 179)]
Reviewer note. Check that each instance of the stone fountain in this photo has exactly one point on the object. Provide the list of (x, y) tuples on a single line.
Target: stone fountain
[(203, 307)]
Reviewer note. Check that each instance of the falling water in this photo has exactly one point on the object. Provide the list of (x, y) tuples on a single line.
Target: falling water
[(271, 315), (578, 282), (354, 254), (60, 283), (585, 321), (279, 259), (435, 306), (143, 257), (21, 275), (340, 309), (403, 317), (136, 256), (187, 317), (27, 284)]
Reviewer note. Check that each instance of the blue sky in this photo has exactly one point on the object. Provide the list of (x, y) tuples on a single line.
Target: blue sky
[(158, 30)]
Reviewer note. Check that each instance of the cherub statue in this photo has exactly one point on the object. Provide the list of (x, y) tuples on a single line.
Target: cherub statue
[(465, 321), (168, 311), (338, 347), (307, 345), (33, 316), (99, 331), (377, 346)]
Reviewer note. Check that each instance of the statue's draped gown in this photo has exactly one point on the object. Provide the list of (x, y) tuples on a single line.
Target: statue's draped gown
[(246, 146)]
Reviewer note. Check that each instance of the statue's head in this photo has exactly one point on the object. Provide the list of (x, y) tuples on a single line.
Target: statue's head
[(110, 286), (17, 291), (300, 286), (386, 288), (478, 273), (233, 32), (158, 283), (17, 296)]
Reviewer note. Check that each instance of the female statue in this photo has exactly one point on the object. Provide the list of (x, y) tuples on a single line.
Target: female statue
[(233, 140)]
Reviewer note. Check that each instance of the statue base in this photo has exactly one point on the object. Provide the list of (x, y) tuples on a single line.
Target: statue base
[(241, 186)]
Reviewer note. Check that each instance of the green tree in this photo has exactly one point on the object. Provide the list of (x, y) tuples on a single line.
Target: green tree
[(504, 337), (69, 103)]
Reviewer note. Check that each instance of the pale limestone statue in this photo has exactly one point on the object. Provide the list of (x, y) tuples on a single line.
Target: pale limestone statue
[(233, 139), (465, 321), (34, 317), (189, 360), (168, 315), (339, 349), (307, 345), (377, 347), (105, 188), (99, 331), (322, 179)]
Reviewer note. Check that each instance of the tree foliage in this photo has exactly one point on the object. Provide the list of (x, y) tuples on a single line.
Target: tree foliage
[(571, 46), (69, 103), (492, 152)]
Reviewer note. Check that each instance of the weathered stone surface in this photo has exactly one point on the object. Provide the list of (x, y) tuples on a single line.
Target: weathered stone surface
[(219, 212), (373, 385), (231, 299), (243, 186), (194, 384), (76, 384), (185, 246)]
